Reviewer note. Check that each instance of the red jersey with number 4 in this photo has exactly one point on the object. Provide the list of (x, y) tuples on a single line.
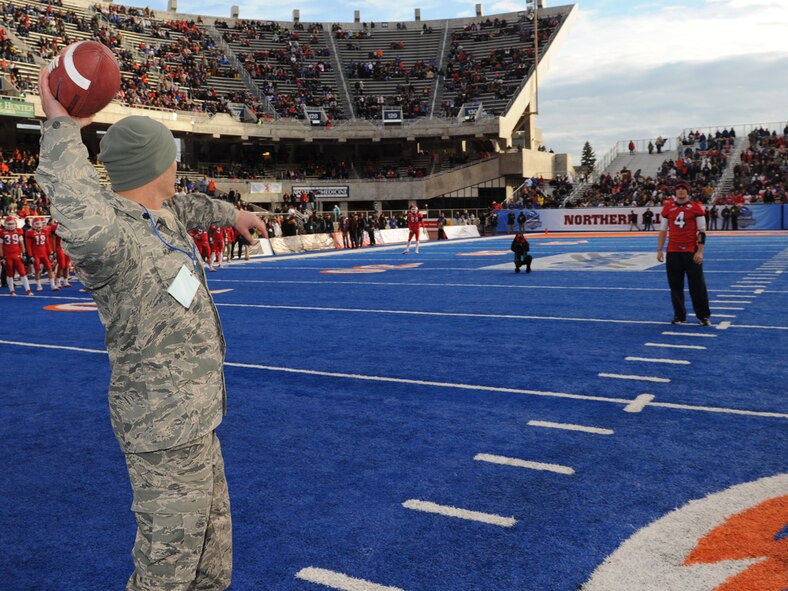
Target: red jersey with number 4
[(414, 220), (12, 242), (682, 225)]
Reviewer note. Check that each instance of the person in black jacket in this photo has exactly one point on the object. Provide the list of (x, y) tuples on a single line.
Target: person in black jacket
[(520, 247), (521, 219)]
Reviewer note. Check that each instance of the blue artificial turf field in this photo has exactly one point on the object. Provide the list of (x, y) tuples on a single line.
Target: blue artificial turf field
[(352, 395)]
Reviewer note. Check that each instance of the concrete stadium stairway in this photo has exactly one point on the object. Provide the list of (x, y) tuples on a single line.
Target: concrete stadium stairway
[(648, 164)]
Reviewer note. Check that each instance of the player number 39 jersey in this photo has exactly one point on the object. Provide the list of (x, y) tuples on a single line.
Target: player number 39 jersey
[(682, 225)]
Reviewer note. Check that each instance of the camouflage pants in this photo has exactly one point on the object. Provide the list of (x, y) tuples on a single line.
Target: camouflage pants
[(182, 507)]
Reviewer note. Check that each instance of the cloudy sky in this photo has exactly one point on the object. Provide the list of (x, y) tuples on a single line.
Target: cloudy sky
[(629, 69)]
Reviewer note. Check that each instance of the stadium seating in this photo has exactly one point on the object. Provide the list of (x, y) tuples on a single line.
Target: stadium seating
[(699, 160), (761, 175), (488, 61), (348, 70)]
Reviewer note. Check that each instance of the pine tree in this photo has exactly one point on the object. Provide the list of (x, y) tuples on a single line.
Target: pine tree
[(587, 160)]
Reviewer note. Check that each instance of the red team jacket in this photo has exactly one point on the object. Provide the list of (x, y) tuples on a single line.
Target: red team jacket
[(682, 225)]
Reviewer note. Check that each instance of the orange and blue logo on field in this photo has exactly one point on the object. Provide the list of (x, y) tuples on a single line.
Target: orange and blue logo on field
[(483, 253), (361, 269), (72, 307), (733, 540), (760, 534), (90, 306)]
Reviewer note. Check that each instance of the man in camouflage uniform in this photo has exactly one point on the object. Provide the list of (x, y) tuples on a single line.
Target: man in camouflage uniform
[(167, 395)]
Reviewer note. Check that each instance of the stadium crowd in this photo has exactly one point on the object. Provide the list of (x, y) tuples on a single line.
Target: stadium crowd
[(468, 77), (762, 174)]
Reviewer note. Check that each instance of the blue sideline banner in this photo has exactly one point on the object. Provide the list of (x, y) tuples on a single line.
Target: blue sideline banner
[(760, 217), (616, 219)]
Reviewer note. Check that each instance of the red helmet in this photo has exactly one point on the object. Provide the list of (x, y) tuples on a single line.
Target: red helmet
[(10, 223), (38, 223)]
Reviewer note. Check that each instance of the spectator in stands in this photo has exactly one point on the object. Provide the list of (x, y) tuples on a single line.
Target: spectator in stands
[(631, 148)]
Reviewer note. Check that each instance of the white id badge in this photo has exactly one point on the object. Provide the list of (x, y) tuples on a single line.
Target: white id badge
[(184, 287)]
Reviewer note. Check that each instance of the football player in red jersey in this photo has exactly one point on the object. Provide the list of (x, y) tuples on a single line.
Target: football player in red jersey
[(685, 222), (62, 259), (217, 244), (39, 246), (415, 224), (12, 247), (203, 242), (229, 239)]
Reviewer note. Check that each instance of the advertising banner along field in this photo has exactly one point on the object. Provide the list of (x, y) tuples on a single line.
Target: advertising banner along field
[(617, 219)]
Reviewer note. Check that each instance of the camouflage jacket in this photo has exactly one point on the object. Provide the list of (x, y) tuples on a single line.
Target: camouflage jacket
[(167, 386)]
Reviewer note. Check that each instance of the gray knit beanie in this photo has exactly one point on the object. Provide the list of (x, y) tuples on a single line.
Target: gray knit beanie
[(135, 151)]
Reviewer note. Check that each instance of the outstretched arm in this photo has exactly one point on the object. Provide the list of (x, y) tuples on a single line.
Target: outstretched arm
[(88, 223)]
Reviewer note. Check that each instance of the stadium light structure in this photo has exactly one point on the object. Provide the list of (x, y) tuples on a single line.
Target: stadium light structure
[(534, 5)]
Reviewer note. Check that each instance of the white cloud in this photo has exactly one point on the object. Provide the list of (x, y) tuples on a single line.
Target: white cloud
[(663, 100), (717, 30)]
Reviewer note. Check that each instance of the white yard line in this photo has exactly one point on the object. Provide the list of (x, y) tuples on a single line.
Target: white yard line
[(449, 511), (670, 346), (336, 580), (618, 376), (440, 314), (658, 360), (451, 385), (571, 427), (690, 334), (339, 282), (639, 403), (518, 463), (730, 301)]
